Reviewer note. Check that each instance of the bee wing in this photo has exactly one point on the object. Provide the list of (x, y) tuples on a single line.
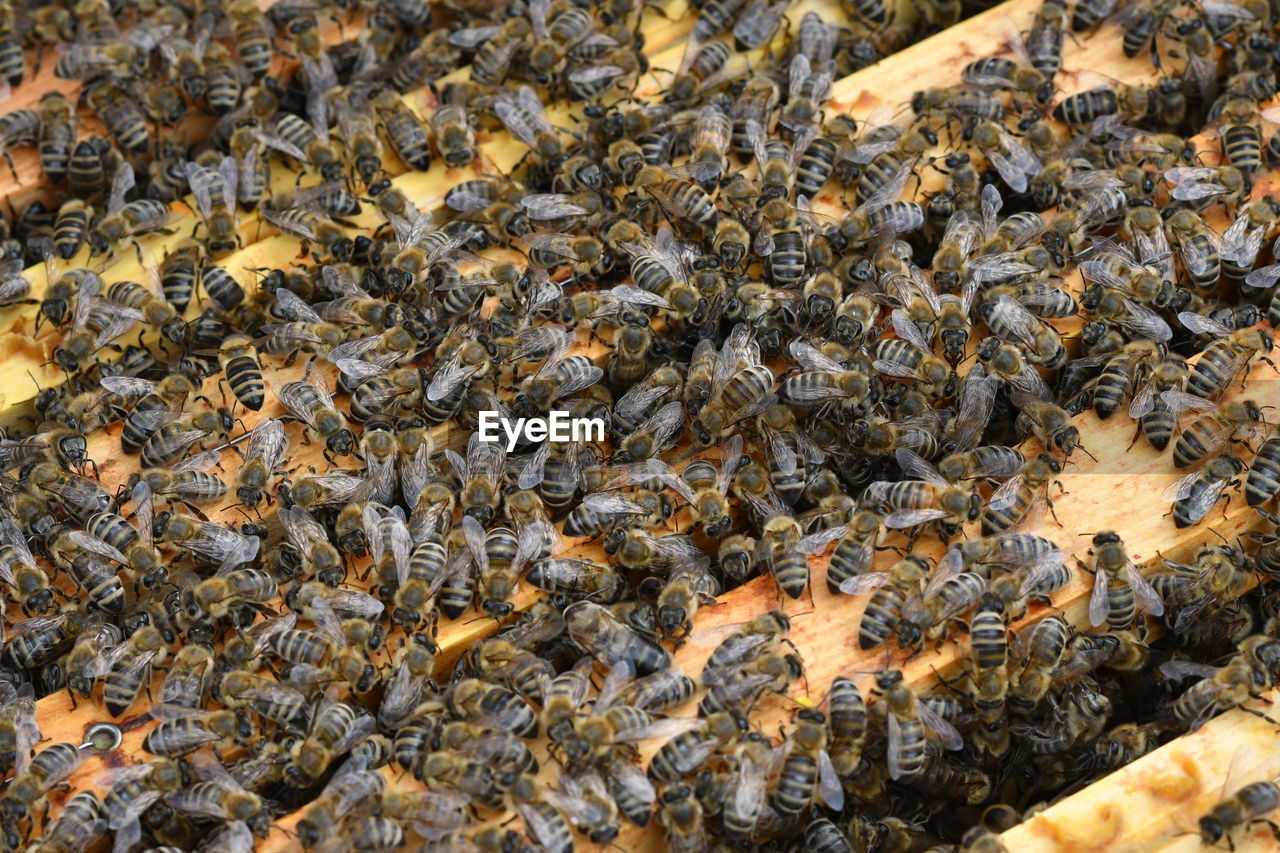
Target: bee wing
[(905, 328), (894, 756), (812, 358), (450, 375), (514, 120), (1242, 241), (1178, 401), (608, 503), (1006, 494), (676, 548), (286, 225), (1099, 603), (469, 37), (144, 510), (1143, 402), (620, 675), (475, 536), (551, 206), (96, 546), (1010, 169), (1182, 487), (730, 458), (301, 528), (749, 789), (267, 444), (918, 468), (291, 306), (830, 787), (660, 729), (977, 397), (947, 734), (633, 295), (864, 583), (105, 660), (1198, 504), (663, 471), (1202, 325), (891, 190), (1147, 598), (664, 423), (121, 182), (201, 180), (904, 518), (531, 474), (817, 542), (12, 536), (1012, 315), (638, 399), (550, 340), (1263, 277)]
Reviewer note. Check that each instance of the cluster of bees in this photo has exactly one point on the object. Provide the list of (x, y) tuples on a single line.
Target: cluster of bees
[(791, 358)]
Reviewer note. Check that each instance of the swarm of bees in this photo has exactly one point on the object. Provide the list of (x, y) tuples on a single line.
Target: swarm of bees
[(803, 334)]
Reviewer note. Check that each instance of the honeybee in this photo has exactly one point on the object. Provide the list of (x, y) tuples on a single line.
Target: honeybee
[(1119, 588), (908, 720), (1224, 358), (929, 497), (310, 402)]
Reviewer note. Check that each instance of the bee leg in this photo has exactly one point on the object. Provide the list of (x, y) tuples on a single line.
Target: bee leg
[(8, 159)]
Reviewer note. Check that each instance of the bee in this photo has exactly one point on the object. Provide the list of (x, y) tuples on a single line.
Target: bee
[(455, 138), (1051, 424), (35, 779), (679, 812), (57, 137), (1119, 588), (126, 220), (1018, 497), (908, 357), (172, 440), (929, 612), (1208, 433), (1015, 164), (316, 228), (145, 648), (310, 402), (220, 545), (71, 228), (491, 61), (891, 591), (336, 727), (908, 720), (1253, 666), (220, 796), (1083, 108), (680, 197), (1251, 804), (596, 630), (959, 101), (1224, 358), (81, 823), (929, 497), (998, 72), (1263, 481), (95, 323), (28, 584)]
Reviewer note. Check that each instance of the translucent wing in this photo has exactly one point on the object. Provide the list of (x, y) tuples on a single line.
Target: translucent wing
[(1148, 599), (1099, 603)]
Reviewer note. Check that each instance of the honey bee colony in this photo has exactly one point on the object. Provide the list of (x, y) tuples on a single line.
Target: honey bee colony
[(918, 473)]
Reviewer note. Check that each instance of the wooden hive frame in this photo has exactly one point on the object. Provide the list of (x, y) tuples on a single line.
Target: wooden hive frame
[(1184, 776)]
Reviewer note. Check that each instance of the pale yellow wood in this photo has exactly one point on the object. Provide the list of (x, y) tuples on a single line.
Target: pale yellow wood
[(1154, 803)]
